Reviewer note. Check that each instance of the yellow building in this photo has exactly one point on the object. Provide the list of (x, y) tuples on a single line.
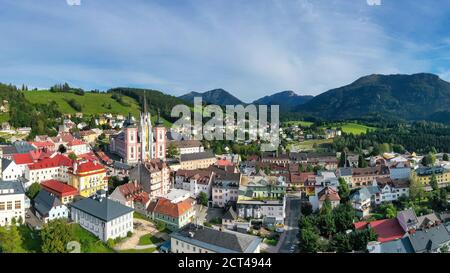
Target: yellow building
[(424, 174), (88, 177)]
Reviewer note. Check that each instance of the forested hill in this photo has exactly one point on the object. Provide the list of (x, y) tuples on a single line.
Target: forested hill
[(156, 100), (409, 97)]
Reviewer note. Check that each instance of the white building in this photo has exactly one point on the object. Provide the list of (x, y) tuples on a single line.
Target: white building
[(225, 189), (105, 218), (12, 202), (194, 181), (10, 170), (50, 168)]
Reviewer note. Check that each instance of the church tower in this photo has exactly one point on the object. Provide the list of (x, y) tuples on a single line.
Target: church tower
[(160, 139), (145, 133)]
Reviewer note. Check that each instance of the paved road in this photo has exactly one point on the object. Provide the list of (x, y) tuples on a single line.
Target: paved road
[(289, 243)]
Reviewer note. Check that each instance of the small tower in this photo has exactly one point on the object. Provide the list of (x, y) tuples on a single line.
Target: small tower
[(160, 138)]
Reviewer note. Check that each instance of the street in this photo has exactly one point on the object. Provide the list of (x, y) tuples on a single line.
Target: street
[(289, 240)]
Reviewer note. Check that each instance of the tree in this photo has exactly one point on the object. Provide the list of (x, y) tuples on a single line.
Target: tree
[(343, 215), (343, 160), (10, 239), (73, 156), (33, 190), (445, 157), (341, 243), (203, 198), (326, 219), (344, 190), (362, 163), (173, 151), (434, 183), (62, 149), (309, 240), (306, 208), (55, 236), (415, 188)]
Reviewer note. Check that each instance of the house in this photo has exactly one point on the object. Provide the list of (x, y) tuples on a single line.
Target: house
[(197, 161), (402, 245), (400, 170), (411, 223), (330, 194), (132, 195), (10, 170), (327, 161), (361, 201), (12, 202), (230, 220), (346, 174), (430, 240), (154, 176), (87, 177), (200, 239), (364, 176), (105, 218), (174, 213), (275, 158), (194, 181), (89, 136), (49, 207), (65, 193), (390, 190), (225, 189), (386, 229), (262, 198), (187, 146)]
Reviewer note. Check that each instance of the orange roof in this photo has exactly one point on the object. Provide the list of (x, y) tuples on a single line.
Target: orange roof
[(59, 188), (166, 207), (224, 162), (42, 144)]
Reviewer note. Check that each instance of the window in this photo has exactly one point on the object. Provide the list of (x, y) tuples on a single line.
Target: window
[(17, 204), (9, 205), (2, 205)]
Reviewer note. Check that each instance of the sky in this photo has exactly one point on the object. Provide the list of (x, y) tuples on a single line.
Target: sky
[(250, 48)]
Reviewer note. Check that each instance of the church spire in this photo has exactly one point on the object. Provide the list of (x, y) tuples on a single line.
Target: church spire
[(159, 121)]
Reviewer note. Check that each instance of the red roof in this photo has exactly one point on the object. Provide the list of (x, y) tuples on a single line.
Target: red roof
[(224, 162), (22, 159), (166, 207), (387, 229), (76, 142), (42, 144), (90, 166), (56, 161), (58, 188), (135, 192)]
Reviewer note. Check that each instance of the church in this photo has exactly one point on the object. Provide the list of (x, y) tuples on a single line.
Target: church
[(140, 142)]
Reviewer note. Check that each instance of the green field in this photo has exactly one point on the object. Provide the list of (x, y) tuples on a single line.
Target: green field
[(4, 117), (147, 250), (350, 128), (91, 103), (149, 239), (306, 124)]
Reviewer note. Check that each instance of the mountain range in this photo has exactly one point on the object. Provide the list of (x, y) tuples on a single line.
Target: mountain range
[(408, 97)]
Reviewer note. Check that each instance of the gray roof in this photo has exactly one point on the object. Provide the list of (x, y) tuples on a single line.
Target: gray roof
[(345, 171), (45, 201), (230, 214), (197, 156), (9, 150), (121, 165), (407, 216), (428, 240), (23, 147), (361, 194), (217, 241), (5, 163), (16, 186), (373, 190), (402, 245), (104, 208)]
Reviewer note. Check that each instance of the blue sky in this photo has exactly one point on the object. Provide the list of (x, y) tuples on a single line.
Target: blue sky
[(248, 47)]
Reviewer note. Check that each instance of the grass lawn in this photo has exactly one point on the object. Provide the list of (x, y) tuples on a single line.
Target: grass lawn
[(91, 103), (351, 128), (149, 239), (271, 242), (147, 250), (89, 243), (141, 216)]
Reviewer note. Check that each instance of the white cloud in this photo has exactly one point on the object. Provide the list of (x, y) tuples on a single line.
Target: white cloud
[(73, 2)]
